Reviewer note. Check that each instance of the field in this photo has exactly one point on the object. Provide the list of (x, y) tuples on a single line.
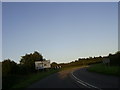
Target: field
[(104, 69)]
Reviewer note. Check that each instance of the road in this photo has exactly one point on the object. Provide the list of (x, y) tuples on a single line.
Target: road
[(95, 80), (77, 78)]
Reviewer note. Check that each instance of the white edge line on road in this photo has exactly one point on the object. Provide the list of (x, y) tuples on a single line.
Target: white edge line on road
[(84, 83)]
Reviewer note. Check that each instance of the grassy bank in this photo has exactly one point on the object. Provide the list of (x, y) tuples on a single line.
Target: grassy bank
[(23, 81), (108, 70)]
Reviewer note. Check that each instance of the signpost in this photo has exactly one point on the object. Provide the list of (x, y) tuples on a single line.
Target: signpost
[(106, 61)]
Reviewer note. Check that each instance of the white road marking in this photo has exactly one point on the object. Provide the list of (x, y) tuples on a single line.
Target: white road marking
[(84, 83)]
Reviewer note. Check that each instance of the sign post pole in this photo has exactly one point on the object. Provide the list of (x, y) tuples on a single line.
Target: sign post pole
[(106, 62)]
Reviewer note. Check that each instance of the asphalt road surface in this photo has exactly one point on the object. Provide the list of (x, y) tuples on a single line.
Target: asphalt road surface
[(77, 78)]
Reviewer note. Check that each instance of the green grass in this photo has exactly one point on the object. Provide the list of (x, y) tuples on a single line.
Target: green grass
[(103, 69), (23, 81)]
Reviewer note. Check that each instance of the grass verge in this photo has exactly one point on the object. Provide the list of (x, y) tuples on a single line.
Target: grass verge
[(23, 81), (103, 69)]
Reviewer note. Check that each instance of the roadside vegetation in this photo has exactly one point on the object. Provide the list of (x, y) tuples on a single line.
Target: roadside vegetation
[(111, 68), (103, 69), (26, 80), (23, 81), (24, 74)]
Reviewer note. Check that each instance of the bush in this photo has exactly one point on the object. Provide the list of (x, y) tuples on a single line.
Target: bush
[(9, 67), (115, 59)]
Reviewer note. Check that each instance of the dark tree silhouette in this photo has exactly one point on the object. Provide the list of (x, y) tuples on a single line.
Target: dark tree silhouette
[(53, 64), (28, 61), (9, 67)]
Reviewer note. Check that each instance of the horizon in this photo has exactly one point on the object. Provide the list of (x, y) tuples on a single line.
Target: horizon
[(61, 32), (66, 62)]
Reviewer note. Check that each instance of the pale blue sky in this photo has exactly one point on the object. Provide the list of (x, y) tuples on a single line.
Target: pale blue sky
[(61, 32)]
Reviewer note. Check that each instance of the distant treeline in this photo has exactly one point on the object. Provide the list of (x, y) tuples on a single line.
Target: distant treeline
[(114, 60), (27, 65)]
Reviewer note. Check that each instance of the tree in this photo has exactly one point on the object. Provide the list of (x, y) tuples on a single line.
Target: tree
[(53, 64), (79, 59), (28, 61), (9, 67), (37, 56), (114, 58)]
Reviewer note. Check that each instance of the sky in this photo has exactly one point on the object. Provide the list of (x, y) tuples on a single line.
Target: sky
[(61, 31), (60, 0)]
